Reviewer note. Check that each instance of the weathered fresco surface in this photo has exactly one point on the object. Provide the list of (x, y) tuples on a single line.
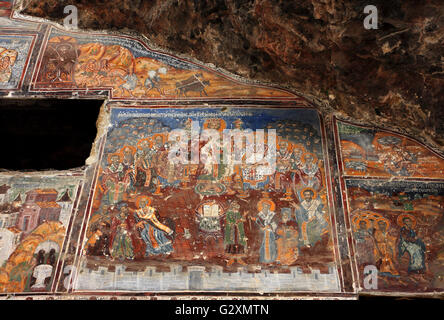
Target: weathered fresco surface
[(35, 211), (224, 226)]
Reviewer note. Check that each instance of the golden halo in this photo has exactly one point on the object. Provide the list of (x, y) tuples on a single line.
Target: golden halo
[(382, 219), (146, 139), (140, 198), (133, 149), (401, 217), (270, 202), (315, 194), (111, 155), (315, 159)]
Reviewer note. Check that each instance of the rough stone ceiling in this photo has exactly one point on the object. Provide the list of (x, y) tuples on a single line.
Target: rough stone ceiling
[(392, 76)]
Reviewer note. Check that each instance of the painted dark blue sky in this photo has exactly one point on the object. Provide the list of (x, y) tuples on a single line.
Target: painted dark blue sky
[(258, 118)]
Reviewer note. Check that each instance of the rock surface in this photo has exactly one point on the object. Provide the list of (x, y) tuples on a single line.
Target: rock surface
[(391, 77)]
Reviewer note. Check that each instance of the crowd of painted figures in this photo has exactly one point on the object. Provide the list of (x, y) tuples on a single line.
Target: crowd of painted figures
[(376, 244), (139, 170)]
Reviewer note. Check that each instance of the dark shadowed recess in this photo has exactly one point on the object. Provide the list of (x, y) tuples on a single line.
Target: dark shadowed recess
[(39, 134)]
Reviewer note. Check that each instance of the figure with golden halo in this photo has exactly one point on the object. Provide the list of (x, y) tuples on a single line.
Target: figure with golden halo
[(5, 68), (410, 243), (113, 183), (384, 249), (268, 249), (153, 233), (128, 166), (310, 218)]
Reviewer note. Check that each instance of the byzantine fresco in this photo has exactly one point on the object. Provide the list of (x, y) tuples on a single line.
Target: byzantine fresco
[(377, 153), (148, 211), (6, 8), (398, 227), (35, 211), (131, 71), (14, 52), (6, 23)]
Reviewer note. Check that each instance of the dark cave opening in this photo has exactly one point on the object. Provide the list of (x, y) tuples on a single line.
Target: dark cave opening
[(43, 134)]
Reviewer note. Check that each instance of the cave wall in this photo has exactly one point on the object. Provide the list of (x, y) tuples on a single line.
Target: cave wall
[(379, 193)]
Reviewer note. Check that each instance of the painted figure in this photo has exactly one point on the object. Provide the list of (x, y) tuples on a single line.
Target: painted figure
[(282, 178), (130, 83), (310, 175), (287, 242), (364, 242), (153, 79), (5, 68), (384, 249), (113, 182), (143, 166), (234, 239)]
